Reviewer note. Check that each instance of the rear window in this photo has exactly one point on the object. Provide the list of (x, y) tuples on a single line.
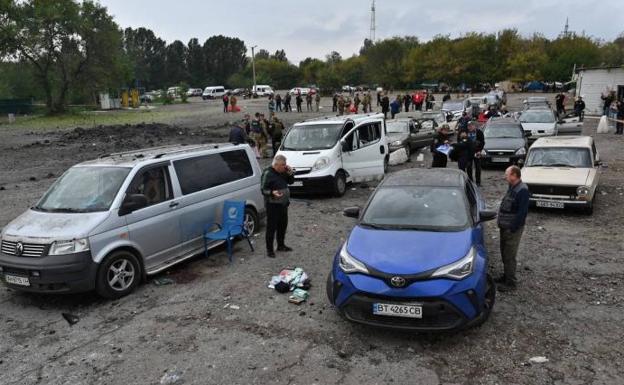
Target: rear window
[(204, 172)]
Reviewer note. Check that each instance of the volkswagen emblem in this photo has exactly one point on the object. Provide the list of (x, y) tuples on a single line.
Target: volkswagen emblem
[(397, 281), (19, 249)]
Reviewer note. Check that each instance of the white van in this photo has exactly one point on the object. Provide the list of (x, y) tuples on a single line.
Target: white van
[(216, 92), (328, 153), (262, 90)]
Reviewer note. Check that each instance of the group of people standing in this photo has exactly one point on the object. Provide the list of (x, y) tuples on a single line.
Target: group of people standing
[(258, 132), (614, 109)]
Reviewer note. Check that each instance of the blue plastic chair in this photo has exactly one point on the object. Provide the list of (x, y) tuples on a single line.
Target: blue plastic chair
[(232, 225)]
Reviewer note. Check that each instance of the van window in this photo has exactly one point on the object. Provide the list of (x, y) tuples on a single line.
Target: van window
[(154, 183), (204, 172), (369, 134)]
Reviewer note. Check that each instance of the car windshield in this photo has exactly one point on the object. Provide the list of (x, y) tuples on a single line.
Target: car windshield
[(84, 189), (400, 127), (559, 157), (426, 123), (454, 105), (503, 131), (537, 116), (312, 137), (417, 208)]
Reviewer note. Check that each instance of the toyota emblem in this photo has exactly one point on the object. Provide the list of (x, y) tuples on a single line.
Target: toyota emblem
[(397, 281), (19, 249)]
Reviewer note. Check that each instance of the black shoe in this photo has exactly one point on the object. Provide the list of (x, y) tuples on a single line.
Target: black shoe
[(271, 254), (500, 279), (284, 248)]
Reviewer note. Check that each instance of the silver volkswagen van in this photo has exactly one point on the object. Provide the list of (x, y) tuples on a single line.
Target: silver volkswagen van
[(106, 224)]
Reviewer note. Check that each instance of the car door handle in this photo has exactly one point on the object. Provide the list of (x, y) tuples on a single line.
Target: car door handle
[(173, 204)]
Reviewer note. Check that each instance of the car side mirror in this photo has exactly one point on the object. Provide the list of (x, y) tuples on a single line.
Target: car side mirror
[(351, 212), (344, 145), (527, 134), (487, 215), (132, 202)]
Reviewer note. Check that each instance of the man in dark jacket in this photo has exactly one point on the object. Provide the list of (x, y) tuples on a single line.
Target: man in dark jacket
[(238, 135), (511, 218), (559, 102), (579, 108), (478, 142), (441, 137), (287, 105), (463, 151), (385, 105), (274, 186), (298, 101)]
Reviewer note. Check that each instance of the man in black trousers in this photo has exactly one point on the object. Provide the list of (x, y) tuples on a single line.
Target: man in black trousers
[(274, 185)]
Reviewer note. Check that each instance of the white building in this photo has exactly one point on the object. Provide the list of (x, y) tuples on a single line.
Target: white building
[(591, 83)]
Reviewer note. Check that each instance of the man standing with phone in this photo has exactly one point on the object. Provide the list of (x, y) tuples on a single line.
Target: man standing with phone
[(274, 185)]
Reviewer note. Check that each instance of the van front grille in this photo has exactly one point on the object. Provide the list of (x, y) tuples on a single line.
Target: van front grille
[(27, 249)]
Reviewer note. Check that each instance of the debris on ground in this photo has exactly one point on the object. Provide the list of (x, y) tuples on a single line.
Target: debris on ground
[(172, 378), (295, 280), (71, 319), (162, 281), (538, 360)]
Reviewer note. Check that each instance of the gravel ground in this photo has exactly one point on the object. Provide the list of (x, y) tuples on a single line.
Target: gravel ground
[(219, 323)]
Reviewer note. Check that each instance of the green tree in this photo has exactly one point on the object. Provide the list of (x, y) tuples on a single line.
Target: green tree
[(64, 41), (224, 56), (262, 54), (146, 54), (565, 52), (279, 55), (175, 62), (195, 63)]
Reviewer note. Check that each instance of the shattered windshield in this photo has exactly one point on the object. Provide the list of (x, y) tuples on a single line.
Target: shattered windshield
[(84, 189), (559, 157), (537, 116), (397, 127), (312, 137)]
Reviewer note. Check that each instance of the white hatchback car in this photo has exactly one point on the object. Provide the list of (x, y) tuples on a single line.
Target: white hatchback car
[(563, 172)]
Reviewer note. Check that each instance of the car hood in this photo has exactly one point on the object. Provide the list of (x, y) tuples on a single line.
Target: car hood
[(503, 143), (397, 136), (54, 226), (305, 159), (556, 175), (407, 252), (538, 126)]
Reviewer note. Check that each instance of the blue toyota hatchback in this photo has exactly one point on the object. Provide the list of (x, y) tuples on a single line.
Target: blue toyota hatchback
[(416, 259)]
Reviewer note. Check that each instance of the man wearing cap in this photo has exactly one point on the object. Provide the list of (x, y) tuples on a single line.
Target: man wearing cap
[(579, 108), (238, 135)]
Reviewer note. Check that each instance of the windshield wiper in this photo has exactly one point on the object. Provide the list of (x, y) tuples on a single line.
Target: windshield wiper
[(561, 165), (374, 226)]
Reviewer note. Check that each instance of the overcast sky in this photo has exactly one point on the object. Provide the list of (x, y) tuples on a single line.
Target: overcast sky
[(316, 27)]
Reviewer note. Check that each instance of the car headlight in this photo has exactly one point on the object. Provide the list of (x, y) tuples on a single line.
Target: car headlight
[(321, 163), (460, 269), (521, 151), (348, 264), (396, 143), (69, 247), (583, 192)]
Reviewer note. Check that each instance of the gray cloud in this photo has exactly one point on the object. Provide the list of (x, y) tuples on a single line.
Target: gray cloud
[(314, 28)]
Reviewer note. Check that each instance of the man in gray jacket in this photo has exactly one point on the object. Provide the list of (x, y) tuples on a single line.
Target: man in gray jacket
[(511, 218)]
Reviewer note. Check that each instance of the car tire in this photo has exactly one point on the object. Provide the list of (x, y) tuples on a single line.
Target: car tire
[(251, 221), (386, 164), (340, 184), (119, 274), (329, 289), (589, 210), (489, 300), (408, 151)]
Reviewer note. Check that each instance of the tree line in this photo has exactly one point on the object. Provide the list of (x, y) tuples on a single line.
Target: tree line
[(66, 51)]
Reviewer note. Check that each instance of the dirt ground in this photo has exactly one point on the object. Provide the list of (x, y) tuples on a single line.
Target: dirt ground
[(220, 324)]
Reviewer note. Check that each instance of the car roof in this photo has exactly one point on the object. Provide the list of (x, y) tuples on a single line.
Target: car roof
[(356, 118), (501, 120), (564, 141), (434, 177), (157, 154)]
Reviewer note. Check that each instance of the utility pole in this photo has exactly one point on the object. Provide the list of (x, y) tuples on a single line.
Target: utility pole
[(253, 68), (373, 27)]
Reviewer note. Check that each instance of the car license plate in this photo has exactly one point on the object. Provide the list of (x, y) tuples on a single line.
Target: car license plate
[(22, 281), (549, 204), (393, 310), (500, 160), (297, 183)]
